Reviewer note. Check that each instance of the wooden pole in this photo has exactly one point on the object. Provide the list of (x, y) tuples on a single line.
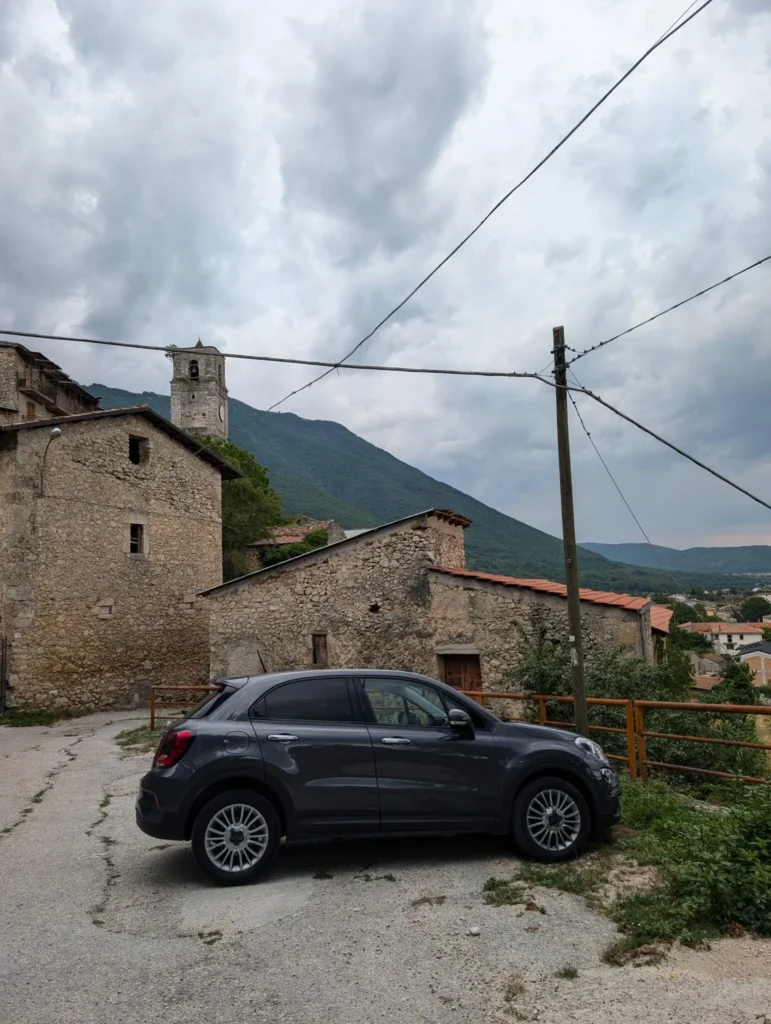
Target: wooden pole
[(569, 536)]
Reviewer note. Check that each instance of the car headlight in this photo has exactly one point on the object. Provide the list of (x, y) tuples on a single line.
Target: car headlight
[(593, 748)]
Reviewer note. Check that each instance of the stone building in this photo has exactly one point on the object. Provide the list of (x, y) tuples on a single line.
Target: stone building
[(34, 388), (399, 596), (199, 398), (110, 524), (292, 533)]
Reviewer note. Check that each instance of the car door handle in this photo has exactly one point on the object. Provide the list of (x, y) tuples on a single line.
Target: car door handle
[(281, 737), (396, 741)]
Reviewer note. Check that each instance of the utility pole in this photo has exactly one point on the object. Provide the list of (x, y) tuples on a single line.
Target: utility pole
[(569, 536)]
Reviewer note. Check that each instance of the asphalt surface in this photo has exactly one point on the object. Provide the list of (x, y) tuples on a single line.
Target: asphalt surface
[(100, 923)]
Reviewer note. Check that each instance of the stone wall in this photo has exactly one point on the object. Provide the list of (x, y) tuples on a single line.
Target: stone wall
[(493, 620), (92, 625), (9, 395), (369, 597)]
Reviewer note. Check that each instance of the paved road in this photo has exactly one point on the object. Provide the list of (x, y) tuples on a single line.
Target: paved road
[(99, 923)]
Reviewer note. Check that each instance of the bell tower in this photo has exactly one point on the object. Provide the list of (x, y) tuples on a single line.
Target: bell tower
[(199, 398)]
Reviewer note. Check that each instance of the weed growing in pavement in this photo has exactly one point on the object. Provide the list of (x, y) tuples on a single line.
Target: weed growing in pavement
[(429, 901), (569, 973), (20, 719), (142, 740), (501, 892), (577, 877)]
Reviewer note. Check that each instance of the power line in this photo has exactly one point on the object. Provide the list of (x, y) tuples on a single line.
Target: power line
[(659, 42), (168, 350), (655, 553), (669, 444), (677, 305), (688, 8)]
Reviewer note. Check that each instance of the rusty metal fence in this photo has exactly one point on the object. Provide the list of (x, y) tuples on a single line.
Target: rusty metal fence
[(636, 735)]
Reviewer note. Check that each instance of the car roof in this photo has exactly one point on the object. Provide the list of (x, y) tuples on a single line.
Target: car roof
[(268, 679)]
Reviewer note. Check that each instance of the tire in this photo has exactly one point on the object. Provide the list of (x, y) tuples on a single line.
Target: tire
[(550, 840), (235, 827)]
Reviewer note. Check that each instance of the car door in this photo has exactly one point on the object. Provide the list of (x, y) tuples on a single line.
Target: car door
[(429, 776), (317, 754)]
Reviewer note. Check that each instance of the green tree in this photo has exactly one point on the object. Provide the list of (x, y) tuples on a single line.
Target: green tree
[(251, 509), (767, 635), (684, 640), (313, 540), (683, 612), (754, 608), (736, 687)]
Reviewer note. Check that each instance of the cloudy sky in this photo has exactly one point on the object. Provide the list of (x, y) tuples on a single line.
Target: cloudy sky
[(274, 177)]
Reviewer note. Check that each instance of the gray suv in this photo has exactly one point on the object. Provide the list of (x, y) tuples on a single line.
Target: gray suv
[(359, 752)]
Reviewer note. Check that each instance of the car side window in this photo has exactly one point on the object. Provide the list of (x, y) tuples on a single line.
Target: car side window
[(324, 699), (477, 720), (402, 702)]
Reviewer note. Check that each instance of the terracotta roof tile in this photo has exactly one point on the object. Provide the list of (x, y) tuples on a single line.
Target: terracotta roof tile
[(725, 627), (607, 597)]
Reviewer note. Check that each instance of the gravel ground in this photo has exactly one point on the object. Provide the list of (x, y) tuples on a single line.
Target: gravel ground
[(101, 923)]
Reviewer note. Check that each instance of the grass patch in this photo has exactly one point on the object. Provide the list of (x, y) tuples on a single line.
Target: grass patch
[(142, 740), (714, 869), (501, 892), (579, 877), (569, 973), (20, 719), (429, 901)]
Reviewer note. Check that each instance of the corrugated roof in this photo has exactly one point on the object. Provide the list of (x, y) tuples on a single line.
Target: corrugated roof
[(228, 472), (607, 597)]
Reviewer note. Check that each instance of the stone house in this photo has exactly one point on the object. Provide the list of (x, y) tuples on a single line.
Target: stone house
[(110, 524), (292, 533), (34, 388), (399, 596)]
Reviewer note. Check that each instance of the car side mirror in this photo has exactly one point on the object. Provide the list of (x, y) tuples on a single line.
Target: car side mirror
[(459, 720)]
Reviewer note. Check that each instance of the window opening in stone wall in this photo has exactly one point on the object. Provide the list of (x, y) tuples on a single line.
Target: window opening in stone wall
[(137, 539), (139, 450), (463, 671), (319, 648), (194, 369), (219, 373), (374, 607)]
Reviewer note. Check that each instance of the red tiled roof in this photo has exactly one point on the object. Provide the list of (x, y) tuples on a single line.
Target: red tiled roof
[(660, 617), (548, 587), (705, 682), (725, 627)]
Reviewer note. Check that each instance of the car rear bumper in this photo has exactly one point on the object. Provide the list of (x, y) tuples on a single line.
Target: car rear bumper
[(156, 814)]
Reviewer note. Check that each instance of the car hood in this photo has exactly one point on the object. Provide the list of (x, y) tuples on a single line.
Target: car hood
[(539, 732)]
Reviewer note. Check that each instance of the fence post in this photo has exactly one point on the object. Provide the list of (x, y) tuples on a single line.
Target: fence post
[(541, 710), (630, 747), (640, 729), (152, 708)]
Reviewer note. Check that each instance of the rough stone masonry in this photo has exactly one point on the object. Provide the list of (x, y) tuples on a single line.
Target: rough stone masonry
[(377, 602), (107, 533)]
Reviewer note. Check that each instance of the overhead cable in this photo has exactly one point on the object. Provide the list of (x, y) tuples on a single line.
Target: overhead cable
[(659, 42)]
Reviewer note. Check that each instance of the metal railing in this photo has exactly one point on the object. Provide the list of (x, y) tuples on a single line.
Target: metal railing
[(636, 758), (156, 705)]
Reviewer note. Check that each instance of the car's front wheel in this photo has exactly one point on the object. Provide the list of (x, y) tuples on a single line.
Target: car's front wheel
[(550, 819), (236, 836)]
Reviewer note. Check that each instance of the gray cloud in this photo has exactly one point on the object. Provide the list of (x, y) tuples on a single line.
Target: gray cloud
[(386, 91)]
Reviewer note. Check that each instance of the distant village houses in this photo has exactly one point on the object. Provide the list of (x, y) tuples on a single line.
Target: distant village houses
[(727, 637)]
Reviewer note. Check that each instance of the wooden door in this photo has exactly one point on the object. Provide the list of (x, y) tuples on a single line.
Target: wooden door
[(463, 671)]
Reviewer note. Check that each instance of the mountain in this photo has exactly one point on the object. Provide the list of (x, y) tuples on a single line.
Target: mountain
[(750, 559), (324, 470)]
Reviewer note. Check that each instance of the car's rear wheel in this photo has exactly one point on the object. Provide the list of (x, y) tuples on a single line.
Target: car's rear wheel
[(550, 819), (236, 836)]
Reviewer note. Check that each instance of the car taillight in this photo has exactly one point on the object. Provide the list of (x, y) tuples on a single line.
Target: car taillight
[(172, 747)]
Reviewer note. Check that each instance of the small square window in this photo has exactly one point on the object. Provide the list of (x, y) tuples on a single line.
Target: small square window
[(137, 539), (320, 649), (139, 450)]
